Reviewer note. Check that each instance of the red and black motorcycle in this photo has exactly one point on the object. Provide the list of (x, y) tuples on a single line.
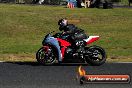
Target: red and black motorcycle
[(74, 48)]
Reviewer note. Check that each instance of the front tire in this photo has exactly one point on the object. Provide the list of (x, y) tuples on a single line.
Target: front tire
[(95, 55), (45, 58)]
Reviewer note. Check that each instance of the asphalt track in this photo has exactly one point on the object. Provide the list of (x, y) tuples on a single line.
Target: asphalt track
[(33, 75)]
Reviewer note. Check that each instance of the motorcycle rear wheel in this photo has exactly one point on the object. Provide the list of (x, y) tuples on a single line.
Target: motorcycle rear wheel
[(96, 55), (45, 59)]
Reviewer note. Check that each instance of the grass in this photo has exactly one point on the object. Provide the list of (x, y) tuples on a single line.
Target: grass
[(22, 28)]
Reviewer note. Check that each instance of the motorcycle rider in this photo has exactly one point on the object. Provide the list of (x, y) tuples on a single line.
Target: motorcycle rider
[(67, 28), (74, 32)]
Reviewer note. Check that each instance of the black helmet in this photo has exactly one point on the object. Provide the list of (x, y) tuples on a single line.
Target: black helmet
[(62, 22)]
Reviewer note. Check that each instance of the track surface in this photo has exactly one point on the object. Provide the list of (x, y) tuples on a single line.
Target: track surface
[(33, 75)]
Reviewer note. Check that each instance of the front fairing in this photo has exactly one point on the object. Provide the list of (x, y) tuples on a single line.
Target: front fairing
[(49, 40)]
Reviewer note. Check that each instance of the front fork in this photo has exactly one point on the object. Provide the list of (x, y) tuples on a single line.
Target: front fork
[(47, 51), (58, 52), (46, 48)]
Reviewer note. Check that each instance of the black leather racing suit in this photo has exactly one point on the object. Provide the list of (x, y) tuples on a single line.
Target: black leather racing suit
[(70, 28), (72, 33)]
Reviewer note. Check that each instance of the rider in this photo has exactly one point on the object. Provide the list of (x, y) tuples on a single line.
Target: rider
[(70, 29), (67, 28)]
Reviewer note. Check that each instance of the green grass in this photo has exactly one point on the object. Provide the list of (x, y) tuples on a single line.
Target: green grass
[(22, 27)]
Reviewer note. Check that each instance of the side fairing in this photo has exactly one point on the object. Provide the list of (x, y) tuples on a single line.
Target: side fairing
[(64, 44)]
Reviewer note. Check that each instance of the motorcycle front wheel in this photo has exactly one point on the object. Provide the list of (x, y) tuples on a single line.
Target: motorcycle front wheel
[(45, 57), (95, 55)]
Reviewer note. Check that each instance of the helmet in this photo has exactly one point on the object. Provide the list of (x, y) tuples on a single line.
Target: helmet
[(62, 22)]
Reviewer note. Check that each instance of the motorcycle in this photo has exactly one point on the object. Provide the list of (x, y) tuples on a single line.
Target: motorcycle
[(57, 49)]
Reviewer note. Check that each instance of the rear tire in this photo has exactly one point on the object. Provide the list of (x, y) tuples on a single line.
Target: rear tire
[(96, 55), (45, 59)]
